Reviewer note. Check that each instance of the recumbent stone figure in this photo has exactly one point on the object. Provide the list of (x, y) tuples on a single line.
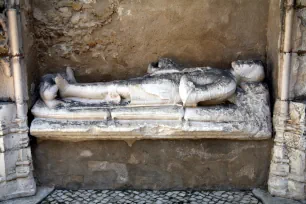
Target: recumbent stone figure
[(165, 84)]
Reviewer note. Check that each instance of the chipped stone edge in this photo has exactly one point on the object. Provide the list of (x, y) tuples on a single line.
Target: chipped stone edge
[(41, 193)]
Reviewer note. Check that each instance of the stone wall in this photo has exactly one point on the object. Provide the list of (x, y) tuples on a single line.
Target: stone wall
[(180, 164), (116, 39)]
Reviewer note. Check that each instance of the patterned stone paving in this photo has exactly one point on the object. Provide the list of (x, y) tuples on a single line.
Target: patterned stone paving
[(149, 197)]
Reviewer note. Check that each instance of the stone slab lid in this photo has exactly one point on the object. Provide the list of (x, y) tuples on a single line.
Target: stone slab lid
[(174, 112), (69, 110), (80, 130), (80, 111)]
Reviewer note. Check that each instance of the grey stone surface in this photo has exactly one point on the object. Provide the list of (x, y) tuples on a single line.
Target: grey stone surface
[(298, 72), (297, 77), (299, 30), (266, 198), (150, 197), (41, 193), (287, 170), (152, 164), (16, 178)]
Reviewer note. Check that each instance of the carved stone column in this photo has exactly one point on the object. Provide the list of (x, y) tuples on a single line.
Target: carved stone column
[(16, 177), (288, 170)]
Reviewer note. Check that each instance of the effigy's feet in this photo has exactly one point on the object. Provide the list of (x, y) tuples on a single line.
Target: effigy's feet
[(62, 85), (70, 75)]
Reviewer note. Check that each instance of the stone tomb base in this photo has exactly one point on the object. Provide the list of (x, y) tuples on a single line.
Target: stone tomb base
[(153, 164), (248, 119)]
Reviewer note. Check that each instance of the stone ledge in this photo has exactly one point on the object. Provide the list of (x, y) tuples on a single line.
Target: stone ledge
[(138, 130)]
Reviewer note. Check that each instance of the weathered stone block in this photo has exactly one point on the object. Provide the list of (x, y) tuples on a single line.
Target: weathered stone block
[(279, 169), (280, 153), (301, 2), (70, 111), (290, 181), (153, 164), (297, 165), (17, 188), (7, 116), (278, 185), (10, 160), (296, 190), (7, 91), (299, 30), (298, 76), (13, 141), (73, 182), (118, 168), (16, 177), (148, 113)]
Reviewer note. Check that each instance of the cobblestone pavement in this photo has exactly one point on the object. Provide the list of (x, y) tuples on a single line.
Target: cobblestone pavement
[(149, 197)]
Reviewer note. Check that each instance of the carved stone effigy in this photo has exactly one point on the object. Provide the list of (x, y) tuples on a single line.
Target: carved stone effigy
[(288, 165), (170, 102)]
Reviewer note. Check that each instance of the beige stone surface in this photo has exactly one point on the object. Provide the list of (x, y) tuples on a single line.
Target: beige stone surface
[(298, 71), (6, 87), (274, 45), (153, 164), (298, 76), (115, 39), (301, 2), (299, 30)]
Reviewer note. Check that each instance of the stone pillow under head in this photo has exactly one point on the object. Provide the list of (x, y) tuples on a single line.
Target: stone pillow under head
[(163, 65)]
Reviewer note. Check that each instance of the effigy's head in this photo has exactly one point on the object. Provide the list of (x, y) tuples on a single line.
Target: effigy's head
[(163, 65), (249, 70)]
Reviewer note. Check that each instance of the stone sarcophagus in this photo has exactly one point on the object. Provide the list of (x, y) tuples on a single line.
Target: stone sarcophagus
[(170, 102)]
